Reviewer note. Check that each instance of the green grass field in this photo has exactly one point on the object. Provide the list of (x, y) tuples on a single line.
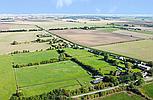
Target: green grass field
[(7, 79), (90, 59), (98, 63), (110, 30), (78, 52), (121, 96), (148, 90), (32, 57), (138, 49), (44, 78)]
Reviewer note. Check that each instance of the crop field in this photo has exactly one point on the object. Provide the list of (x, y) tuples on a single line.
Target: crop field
[(7, 80), (134, 34), (148, 90), (64, 24), (34, 57), (14, 26), (93, 38), (138, 49), (7, 38), (43, 78), (122, 96)]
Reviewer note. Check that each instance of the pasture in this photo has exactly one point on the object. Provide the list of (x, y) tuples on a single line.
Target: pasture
[(99, 64), (7, 79), (148, 89), (34, 57), (43, 78), (93, 37), (78, 52), (90, 59), (138, 49)]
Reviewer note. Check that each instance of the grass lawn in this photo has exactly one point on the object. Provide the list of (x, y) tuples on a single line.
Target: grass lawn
[(121, 96), (7, 79), (138, 49), (148, 90), (32, 57), (43, 78)]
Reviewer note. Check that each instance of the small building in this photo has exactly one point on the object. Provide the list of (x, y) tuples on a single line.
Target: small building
[(144, 67), (96, 81)]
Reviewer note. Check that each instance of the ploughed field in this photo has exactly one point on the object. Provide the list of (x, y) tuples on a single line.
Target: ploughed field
[(15, 26), (93, 37), (138, 49)]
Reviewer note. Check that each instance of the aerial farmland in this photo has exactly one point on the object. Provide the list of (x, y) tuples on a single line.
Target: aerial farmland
[(59, 58)]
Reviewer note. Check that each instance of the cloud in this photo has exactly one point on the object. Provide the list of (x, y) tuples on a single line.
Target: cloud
[(63, 3), (98, 10)]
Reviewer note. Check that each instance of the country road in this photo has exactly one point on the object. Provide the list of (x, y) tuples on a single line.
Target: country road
[(94, 92)]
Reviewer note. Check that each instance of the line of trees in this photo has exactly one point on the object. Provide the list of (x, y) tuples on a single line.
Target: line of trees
[(39, 63), (20, 30), (17, 52)]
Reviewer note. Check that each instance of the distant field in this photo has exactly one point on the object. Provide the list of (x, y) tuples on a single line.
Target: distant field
[(148, 90), (39, 79), (34, 57), (138, 34), (138, 49), (13, 26), (93, 37), (107, 29), (121, 96), (7, 38), (7, 79), (63, 24)]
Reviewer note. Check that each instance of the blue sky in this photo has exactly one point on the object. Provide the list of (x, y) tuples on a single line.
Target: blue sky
[(77, 6)]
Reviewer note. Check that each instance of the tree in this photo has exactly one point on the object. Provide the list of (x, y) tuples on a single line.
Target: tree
[(128, 65), (106, 57), (61, 54), (14, 43), (139, 82)]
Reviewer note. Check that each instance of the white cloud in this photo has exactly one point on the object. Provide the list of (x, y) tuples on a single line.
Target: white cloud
[(98, 10), (63, 3)]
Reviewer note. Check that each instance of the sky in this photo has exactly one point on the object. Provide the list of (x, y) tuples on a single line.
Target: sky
[(76, 6)]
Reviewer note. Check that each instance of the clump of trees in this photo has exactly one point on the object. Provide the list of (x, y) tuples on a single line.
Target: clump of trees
[(14, 43)]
